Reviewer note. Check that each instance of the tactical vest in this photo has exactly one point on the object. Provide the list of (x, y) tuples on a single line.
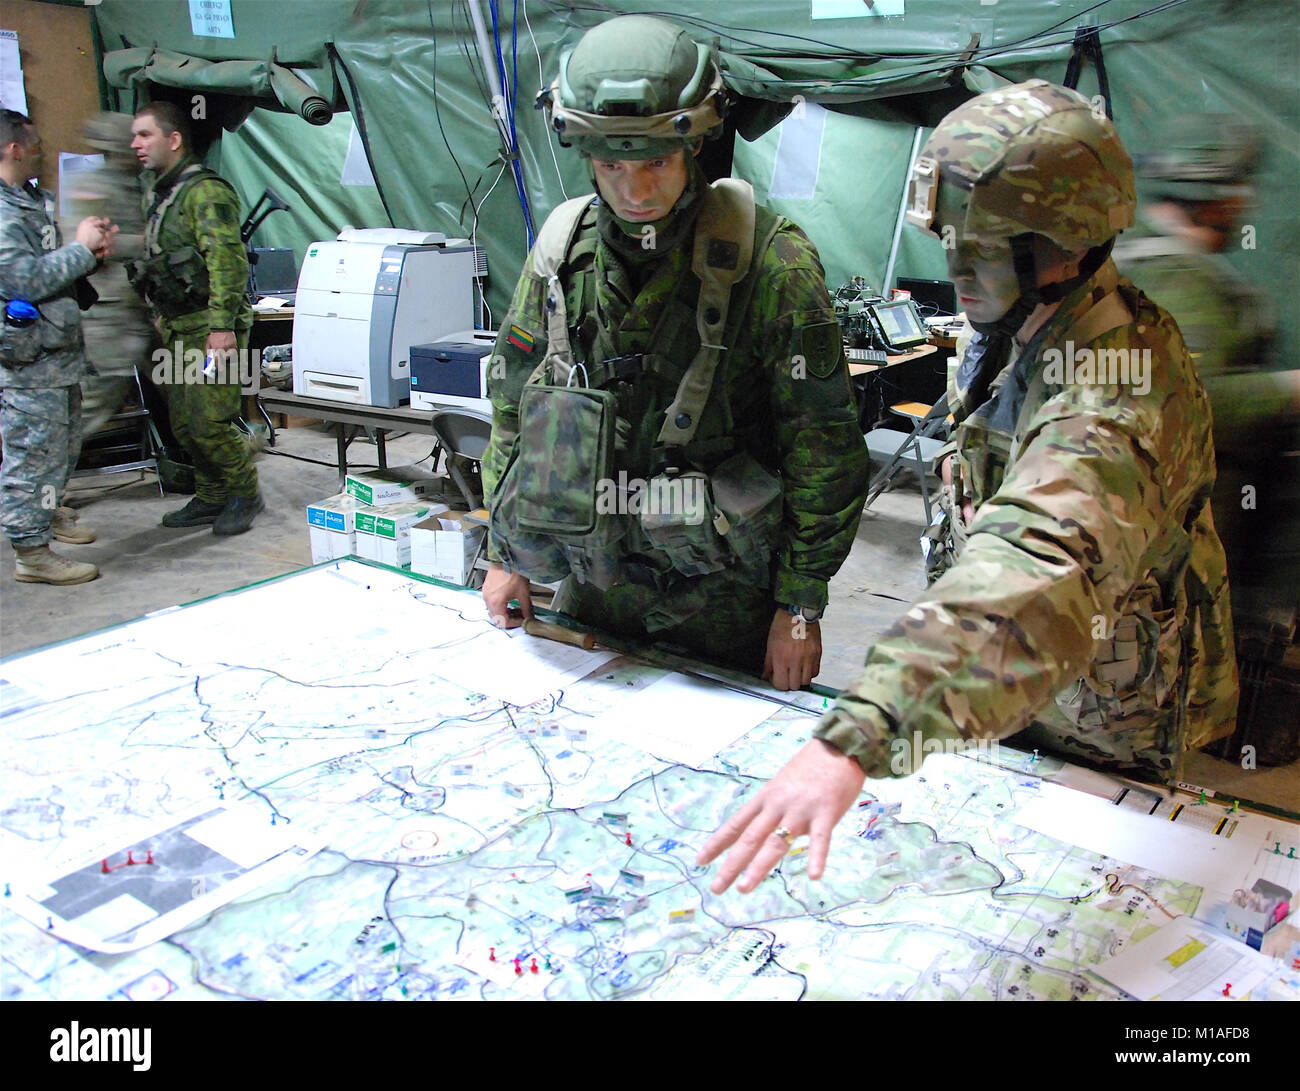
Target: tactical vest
[(175, 282), (565, 503)]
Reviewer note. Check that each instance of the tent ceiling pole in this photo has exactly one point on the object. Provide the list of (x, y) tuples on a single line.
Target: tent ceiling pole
[(902, 209), (498, 103)]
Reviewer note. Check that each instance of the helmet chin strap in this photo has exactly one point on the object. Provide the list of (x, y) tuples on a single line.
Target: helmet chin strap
[(1031, 295)]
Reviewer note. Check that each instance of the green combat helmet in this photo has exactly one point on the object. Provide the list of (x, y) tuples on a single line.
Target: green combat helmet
[(1202, 157), (1030, 159), (635, 87)]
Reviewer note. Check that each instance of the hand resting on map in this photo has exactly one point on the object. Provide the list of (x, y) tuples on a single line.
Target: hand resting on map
[(808, 796)]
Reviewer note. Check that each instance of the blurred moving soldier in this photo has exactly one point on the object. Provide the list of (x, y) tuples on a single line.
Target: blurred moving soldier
[(1197, 188), (118, 330), (194, 273), (41, 360), (1088, 602), (674, 432)]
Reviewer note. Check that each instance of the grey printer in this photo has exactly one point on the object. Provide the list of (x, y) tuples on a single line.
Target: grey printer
[(364, 299)]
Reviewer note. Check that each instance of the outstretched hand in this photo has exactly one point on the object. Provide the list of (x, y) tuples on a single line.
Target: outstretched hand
[(808, 796)]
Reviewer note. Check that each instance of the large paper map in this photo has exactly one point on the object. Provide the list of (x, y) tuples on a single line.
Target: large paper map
[(285, 768)]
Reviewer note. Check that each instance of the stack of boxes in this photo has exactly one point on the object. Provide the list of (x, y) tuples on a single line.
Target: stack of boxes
[(389, 516), (445, 546)]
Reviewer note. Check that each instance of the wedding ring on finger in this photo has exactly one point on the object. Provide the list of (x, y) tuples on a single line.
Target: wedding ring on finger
[(784, 834)]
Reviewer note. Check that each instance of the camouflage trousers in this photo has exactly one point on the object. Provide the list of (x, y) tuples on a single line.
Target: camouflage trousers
[(41, 430), (723, 618), (102, 396), (203, 421)]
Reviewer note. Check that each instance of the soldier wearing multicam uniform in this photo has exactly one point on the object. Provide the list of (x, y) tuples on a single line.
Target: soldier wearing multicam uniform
[(194, 273), (1197, 187), (41, 361), (624, 302), (1089, 600), (117, 329)]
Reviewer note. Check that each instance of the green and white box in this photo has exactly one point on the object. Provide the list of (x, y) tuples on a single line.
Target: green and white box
[(332, 525), (395, 485), (445, 546), (384, 534)]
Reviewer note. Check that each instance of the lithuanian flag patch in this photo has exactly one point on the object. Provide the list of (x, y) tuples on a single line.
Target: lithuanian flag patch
[(521, 339)]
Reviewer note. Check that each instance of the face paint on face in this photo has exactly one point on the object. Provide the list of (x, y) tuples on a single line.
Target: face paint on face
[(983, 273)]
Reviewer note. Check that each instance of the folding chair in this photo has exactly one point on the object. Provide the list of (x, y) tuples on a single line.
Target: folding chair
[(914, 450), (465, 433), (461, 432)]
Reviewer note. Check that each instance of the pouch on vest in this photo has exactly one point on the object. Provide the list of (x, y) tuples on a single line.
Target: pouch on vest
[(749, 502), (566, 436), (678, 518), (20, 335), (551, 506), (175, 282)]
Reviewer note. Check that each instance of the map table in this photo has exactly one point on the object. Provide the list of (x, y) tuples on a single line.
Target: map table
[(326, 816)]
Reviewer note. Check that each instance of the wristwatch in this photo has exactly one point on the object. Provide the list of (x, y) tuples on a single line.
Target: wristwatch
[(804, 613)]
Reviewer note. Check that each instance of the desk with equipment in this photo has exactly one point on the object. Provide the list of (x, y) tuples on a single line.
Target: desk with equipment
[(383, 797), (885, 341)]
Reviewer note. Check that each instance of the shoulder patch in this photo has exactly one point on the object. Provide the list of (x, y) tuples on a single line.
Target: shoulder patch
[(821, 344)]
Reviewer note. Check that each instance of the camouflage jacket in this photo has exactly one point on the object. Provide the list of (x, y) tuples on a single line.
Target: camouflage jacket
[(204, 219), (797, 417), (1225, 320), (112, 190), (1091, 596), (34, 267)]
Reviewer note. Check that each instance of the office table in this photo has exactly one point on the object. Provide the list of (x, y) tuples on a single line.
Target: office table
[(381, 418)]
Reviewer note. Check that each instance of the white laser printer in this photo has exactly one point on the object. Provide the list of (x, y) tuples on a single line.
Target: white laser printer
[(367, 297)]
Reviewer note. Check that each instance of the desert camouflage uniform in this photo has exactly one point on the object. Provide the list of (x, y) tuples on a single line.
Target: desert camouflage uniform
[(118, 329), (1089, 600), (206, 218), (800, 423), (40, 366)]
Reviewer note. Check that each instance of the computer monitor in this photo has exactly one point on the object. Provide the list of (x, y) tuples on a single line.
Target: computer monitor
[(274, 271), (932, 297), (898, 325)]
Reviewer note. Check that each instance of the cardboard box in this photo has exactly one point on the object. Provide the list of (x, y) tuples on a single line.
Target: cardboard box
[(395, 485), (384, 534), (332, 525), (445, 547)]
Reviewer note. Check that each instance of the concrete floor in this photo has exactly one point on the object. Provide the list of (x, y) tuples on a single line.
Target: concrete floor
[(146, 567)]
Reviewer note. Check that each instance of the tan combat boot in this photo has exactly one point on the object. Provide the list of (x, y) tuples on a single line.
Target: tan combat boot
[(63, 524), (38, 564)]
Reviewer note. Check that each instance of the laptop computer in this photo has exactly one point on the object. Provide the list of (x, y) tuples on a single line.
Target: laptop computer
[(932, 297), (273, 271)]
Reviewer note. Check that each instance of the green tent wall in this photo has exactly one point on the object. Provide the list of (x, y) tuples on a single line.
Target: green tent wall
[(409, 72)]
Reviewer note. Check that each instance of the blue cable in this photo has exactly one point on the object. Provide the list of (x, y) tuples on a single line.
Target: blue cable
[(512, 146)]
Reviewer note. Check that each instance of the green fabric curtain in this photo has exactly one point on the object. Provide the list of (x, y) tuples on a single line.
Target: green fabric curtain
[(410, 73)]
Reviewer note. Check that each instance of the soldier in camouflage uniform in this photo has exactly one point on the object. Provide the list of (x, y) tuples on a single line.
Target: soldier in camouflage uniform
[(41, 361), (612, 296), (1196, 189), (118, 330), (194, 273), (1089, 601)]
